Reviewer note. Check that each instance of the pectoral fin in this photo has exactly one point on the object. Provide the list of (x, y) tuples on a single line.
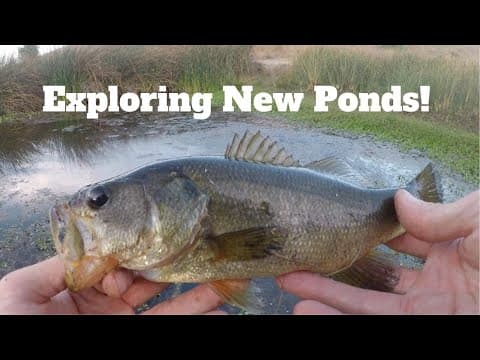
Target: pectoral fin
[(247, 244)]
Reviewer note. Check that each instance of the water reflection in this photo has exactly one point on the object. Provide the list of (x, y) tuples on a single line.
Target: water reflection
[(63, 157), (82, 142), (15, 150), (19, 144)]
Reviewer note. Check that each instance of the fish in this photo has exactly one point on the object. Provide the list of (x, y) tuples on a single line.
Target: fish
[(224, 221)]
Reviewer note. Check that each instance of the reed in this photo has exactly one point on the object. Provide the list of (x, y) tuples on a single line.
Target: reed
[(453, 80)]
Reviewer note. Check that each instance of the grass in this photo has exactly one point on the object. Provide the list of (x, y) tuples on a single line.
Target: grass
[(69, 67), (135, 68), (449, 133), (456, 148), (454, 82), (206, 68), (18, 93)]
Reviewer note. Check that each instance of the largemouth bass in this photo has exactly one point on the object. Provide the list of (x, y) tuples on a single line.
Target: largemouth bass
[(255, 212)]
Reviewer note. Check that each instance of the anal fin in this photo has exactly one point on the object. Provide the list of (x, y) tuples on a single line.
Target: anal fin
[(375, 271)]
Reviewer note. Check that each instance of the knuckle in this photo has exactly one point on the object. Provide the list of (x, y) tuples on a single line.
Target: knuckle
[(7, 284)]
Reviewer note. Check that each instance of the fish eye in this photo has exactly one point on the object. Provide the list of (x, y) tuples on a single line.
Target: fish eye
[(97, 197)]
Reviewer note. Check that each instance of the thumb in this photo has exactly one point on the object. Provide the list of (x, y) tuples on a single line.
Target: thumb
[(117, 282), (437, 222), (39, 282)]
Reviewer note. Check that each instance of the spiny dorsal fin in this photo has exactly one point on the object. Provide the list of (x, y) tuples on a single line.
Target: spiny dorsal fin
[(259, 149), (336, 167)]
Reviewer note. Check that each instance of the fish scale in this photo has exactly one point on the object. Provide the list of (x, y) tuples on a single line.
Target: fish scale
[(321, 233)]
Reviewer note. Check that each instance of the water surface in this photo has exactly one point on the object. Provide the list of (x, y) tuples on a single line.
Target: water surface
[(45, 163)]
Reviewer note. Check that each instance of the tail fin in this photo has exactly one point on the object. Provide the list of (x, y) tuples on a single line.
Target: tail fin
[(426, 186)]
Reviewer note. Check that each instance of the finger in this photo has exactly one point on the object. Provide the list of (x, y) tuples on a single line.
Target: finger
[(117, 282), (141, 291), (39, 282), (62, 303), (346, 298), (99, 287), (311, 307), (437, 222), (468, 249), (216, 312), (409, 244), (406, 279), (199, 300), (91, 301)]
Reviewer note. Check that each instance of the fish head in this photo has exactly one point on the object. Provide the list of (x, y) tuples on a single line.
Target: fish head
[(129, 222), (93, 230)]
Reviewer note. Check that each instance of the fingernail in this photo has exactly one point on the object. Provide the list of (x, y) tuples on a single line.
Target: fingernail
[(405, 193), (280, 282), (118, 292), (123, 282)]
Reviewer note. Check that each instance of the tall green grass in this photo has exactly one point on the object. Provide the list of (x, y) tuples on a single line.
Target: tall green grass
[(69, 66), (135, 68), (454, 82), (456, 148), (207, 68), (444, 134)]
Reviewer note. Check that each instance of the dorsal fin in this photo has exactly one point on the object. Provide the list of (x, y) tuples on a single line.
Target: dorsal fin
[(338, 168), (259, 149)]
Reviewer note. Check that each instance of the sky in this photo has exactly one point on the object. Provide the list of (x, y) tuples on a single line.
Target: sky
[(8, 50)]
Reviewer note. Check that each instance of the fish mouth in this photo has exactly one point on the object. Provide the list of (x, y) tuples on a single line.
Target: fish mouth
[(71, 236), (60, 220)]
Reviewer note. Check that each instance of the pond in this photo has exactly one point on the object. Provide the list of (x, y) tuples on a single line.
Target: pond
[(44, 163)]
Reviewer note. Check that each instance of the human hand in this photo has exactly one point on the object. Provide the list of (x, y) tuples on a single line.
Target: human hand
[(445, 235), (41, 289)]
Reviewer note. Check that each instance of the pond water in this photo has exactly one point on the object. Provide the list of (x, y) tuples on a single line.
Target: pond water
[(45, 163)]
